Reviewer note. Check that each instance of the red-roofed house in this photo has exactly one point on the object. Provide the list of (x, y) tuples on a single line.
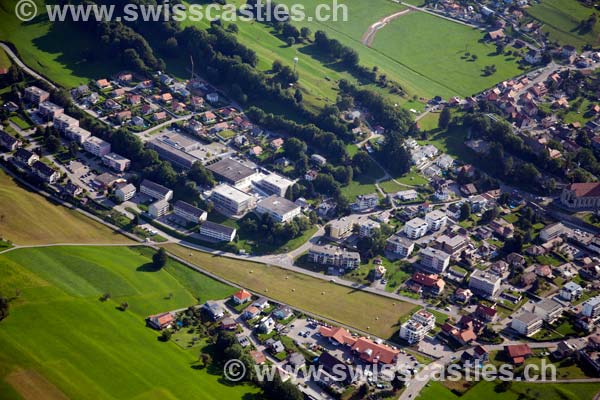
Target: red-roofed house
[(160, 321), (241, 297), (338, 335), (485, 313), (374, 353), (518, 353), (431, 282)]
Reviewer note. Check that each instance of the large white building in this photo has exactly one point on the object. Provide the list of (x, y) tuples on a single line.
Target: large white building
[(275, 184), (36, 95), (415, 329), (125, 192), (155, 191), (280, 208), (116, 162), (436, 220), (230, 200), (158, 208), (49, 110), (400, 246), (63, 121), (591, 307), (527, 323), (77, 134), (434, 260), (415, 228), (188, 212), (96, 146), (484, 283), (335, 256), (217, 232)]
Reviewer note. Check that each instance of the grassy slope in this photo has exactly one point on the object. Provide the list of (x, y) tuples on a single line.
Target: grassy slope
[(89, 349), (561, 20), (318, 75), (4, 60), (352, 307), (27, 218), (549, 391), (436, 51), (54, 50)]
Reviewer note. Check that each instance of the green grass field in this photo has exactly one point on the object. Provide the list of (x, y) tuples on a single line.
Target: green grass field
[(53, 50), (365, 311), (561, 19), (28, 219), (60, 341), (518, 390), (4, 60), (436, 48)]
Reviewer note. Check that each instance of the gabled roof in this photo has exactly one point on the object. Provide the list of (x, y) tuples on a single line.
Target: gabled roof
[(242, 295), (340, 335)]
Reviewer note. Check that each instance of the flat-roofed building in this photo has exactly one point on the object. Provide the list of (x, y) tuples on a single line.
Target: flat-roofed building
[(36, 95), (527, 323), (116, 162), (232, 172), (63, 121), (549, 309), (368, 228), (415, 228), (484, 283), (436, 220), (96, 146), (339, 228), (334, 256), (188, 212), (552, 231), (155, 190), (275, 184), (49, 110), (453, 244), (174, 155), (591, 307), (434, 260), (158, 208), (415, 329), (77, 134), (230, 200), (125, 192), (280, 208), (217, 232), (400, 245)]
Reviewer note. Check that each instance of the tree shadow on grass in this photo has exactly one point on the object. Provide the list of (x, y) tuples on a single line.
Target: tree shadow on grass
[(148, 267)]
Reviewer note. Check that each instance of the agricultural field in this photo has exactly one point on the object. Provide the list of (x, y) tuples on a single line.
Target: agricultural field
[(452, 45), (561, 20), (27, 218), (60, 341), (361, 310), (53, 49), (518, 390)]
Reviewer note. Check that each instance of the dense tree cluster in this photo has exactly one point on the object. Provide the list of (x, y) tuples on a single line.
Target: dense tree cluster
[(272, 232)]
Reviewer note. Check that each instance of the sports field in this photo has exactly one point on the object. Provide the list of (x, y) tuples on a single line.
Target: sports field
[(53, 50), (27, 218), (365, 311), (60, 341), (561, 20), (518, 390)]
